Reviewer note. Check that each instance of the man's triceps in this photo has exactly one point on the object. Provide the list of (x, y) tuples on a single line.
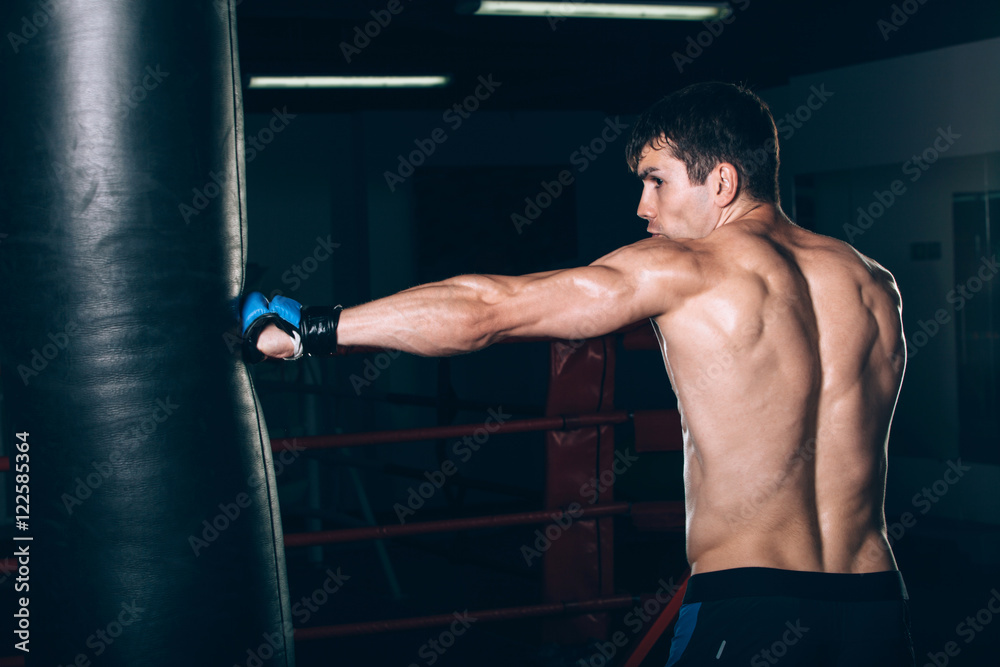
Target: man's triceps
[(584, 302)]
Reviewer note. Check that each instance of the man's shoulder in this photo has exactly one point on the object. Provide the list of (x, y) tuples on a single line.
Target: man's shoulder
[(848, 257), (659, 264), (659, 252), (696, 263), (831, 262)]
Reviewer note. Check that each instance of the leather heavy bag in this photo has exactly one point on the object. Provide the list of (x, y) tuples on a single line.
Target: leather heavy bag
[(154, 526)]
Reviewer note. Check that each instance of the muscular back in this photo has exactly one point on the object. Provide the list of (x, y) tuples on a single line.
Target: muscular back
[(786, 362)]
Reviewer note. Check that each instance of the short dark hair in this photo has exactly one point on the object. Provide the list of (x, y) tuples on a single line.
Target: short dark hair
[(709, 123)]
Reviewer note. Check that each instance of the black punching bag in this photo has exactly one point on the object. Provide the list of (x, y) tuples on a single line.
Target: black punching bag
[(155, 537)]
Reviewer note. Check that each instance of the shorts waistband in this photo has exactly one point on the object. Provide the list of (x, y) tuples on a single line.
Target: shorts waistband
[(770, 582)]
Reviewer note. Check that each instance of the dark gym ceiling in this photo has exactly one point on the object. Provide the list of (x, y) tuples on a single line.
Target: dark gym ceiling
[(609, 65)]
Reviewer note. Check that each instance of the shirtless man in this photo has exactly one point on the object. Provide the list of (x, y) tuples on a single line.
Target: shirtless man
[(784, 441)]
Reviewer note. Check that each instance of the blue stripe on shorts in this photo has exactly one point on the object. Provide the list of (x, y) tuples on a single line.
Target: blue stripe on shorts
[(686, 620)]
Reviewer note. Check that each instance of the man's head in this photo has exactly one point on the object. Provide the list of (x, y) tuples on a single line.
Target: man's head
[(698, 151)]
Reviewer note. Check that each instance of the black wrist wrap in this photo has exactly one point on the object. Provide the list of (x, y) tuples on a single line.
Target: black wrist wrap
[(319, 329)]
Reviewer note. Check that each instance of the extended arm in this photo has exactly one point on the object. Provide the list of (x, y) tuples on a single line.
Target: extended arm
[(469, 312)]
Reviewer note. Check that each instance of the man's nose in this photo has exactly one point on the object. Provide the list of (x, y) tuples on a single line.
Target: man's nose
[(646, 210)]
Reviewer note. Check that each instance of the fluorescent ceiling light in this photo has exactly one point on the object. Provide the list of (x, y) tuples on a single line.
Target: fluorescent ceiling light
[(348, 81), (678, 11)]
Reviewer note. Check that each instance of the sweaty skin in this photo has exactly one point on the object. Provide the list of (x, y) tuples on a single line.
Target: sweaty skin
[(784, 348)]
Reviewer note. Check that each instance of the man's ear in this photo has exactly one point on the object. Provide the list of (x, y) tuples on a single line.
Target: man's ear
[(725, 184)]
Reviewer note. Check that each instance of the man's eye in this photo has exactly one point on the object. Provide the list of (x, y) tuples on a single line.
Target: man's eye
[(658, 181)]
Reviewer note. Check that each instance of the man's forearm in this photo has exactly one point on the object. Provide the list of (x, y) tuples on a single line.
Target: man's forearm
[(437, 319)]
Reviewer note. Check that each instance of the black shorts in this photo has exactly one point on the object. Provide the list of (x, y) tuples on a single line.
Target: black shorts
[(760, 617)]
